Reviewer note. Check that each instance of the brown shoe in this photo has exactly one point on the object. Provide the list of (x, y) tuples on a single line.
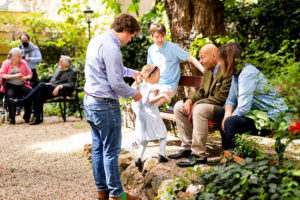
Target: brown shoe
[(128, 197), (102, 195)]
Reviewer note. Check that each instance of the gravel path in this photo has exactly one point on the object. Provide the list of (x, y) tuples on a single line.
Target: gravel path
[(45, 161)]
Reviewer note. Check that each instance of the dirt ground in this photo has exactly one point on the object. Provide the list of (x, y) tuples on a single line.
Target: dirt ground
[(47, 162)]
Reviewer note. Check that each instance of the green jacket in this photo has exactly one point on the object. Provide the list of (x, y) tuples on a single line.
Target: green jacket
[(212, 90)]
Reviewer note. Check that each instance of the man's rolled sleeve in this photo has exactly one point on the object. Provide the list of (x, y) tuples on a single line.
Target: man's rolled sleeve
[(127, 72)]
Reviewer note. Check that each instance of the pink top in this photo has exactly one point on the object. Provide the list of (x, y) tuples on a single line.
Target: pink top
[(22, 67)]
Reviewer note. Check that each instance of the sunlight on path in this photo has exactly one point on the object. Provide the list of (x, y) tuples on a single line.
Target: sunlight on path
[(72, 143), (75, 143)]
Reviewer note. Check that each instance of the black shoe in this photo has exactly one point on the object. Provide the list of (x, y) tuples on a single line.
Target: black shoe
[(181, 154), (12, 121), (36, 122), (16, 102), (26, 119), (193, 160), (139, 164), (162, 159)]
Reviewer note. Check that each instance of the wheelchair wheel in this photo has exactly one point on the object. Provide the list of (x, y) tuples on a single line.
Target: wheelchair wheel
[(31, 119), (2, 117), (7, 116)]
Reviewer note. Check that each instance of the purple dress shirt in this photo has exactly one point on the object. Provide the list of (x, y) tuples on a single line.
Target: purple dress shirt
[(104, 69)]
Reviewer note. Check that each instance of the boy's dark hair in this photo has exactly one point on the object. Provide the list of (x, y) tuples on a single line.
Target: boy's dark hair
[(25, 35), (125, 22), (157, 27)]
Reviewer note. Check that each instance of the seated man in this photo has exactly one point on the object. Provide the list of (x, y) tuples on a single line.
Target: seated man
[(62, 82), (193, 113)]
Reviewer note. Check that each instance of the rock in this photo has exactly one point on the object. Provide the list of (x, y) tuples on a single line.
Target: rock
[(182, 195), (156, 182), (148, 179), (125, 160), (150, 194), (132, 176), (87, 151), (150, 165), (164, 185), (191, 190)]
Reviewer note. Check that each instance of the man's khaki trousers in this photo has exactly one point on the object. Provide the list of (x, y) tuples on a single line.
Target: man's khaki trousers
[(193, 134)]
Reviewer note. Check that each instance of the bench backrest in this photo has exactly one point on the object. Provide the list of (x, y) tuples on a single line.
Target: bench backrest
[(190, 81)]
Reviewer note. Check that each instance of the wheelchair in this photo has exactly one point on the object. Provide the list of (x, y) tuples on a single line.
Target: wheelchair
[(4, 116)]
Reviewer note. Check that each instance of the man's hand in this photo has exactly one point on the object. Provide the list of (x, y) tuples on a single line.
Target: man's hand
[(27, 59), (187, 107), (190, 117), (136, 74), (138, 96), (56, 90)]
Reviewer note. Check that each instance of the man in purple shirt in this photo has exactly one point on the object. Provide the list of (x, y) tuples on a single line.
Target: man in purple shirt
[(104, 72)]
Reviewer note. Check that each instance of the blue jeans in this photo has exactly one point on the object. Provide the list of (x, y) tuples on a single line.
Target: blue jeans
[(104, 117)]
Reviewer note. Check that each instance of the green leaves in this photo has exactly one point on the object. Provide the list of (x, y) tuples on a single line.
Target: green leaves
[(113, 5), (199, 42)]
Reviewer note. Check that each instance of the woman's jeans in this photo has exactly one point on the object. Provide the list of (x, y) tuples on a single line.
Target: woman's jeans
[(104, 117), (234, 125)]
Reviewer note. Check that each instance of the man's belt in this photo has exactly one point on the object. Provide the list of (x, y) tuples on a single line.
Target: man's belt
[(93, 96)]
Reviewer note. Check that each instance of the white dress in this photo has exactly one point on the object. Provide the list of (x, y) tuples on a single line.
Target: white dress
[(149, 125)]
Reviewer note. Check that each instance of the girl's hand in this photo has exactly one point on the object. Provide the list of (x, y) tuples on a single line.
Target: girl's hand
[(167, 97)]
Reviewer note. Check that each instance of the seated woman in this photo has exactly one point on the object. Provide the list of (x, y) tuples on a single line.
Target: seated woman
[(249, 90), (16, 73)]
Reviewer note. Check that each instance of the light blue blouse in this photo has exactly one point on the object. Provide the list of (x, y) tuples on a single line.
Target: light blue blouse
[(167, 58), (252, 91)]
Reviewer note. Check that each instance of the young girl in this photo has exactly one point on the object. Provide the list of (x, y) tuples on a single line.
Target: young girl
[(149, 125)]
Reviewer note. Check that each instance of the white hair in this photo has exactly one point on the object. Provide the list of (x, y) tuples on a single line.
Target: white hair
[(67, 60), (13, 51)]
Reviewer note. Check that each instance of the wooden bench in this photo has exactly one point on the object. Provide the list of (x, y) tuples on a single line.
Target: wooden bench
[(195, 81), (63, 99), (188, 81)]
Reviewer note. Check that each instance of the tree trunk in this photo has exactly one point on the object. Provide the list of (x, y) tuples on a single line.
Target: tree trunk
[(189, 18)]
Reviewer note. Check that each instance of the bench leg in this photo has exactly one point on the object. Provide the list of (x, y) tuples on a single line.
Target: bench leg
[(63, 110), (173, 126)]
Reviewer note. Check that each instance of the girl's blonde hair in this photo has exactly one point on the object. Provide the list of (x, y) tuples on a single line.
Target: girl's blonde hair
[(147, 69)]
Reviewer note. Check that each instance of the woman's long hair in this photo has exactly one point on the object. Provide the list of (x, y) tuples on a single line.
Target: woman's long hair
[(230, 54)]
